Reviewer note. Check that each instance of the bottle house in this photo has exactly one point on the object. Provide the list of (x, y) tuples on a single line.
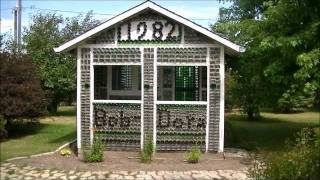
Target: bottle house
[(150, 72)]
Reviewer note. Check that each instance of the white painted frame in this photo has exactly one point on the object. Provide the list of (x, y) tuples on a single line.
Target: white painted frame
[(208, 99), (183, 102), (207, 103), (181, 64), (79, 98), (156, 102), (142, 99), (148, 5), (221, 122), (155, 96), (92, 101), (117, 64), (117, 101), (91, 95)]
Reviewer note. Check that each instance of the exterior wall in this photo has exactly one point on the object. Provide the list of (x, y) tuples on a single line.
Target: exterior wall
[(193, 37), (148, 98), (118, 125), (116, 55), (182, 55), (191, 48), (214, 96), (180, 127), (105, 37), (85, 76)]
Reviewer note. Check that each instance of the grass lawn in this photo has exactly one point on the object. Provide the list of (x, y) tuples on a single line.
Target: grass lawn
[(32, 138), (268, 134)]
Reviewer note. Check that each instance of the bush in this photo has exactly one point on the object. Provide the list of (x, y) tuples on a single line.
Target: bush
[(302, 161), (3, 131), (294, 100), (95, 154), (147, 151), (194, 155), (20, 90)]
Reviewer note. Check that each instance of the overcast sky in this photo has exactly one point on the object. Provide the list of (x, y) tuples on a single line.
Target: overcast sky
[(203, 12)]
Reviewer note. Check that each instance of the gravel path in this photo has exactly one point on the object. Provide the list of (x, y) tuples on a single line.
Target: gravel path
[(11, 171)]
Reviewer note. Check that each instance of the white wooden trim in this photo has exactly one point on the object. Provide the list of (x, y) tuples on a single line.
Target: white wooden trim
[(183, 102), (194, 26), (91, 94), (148, 4), (142, 98), (221, 122), (180, 64), (79, 98), (208, 99), (155, 97), (117, 63), (117, 101), (68, 45)]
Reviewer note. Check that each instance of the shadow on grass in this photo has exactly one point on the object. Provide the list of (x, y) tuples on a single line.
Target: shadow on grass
[(69, 136), (21, 129), (267, 134), (66, 111)]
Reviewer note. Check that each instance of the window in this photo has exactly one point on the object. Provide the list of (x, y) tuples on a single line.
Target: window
[(187, 83), (182, 83), (117, 82), (121, 78), (203, 81), (100, 82)]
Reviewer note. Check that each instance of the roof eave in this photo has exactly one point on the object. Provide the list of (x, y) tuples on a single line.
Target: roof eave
[(148, 4)]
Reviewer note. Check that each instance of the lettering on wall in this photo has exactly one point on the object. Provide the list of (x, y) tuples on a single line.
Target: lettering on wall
[(160, 30), (110, 118), (167, 120)]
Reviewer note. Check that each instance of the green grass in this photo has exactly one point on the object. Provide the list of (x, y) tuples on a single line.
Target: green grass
[(47, 135), (268, 134)]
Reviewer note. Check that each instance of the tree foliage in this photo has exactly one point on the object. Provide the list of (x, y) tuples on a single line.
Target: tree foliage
[(57, 71), (282, 51), (300, 161), (20, 90)]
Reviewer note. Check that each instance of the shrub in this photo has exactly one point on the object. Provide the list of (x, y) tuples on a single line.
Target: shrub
[(302, 161), (194, 155), (20, 89), (147, 151), (3, 122), (95, 154), (3, 131)]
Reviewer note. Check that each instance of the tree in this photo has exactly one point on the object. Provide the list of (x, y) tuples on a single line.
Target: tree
[(20, 90), (57, 71), (281, 40)]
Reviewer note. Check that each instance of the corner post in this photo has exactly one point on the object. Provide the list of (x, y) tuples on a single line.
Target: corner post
[(221, 122), (91, 95), (142, 98), (79, 98), (208, 98), (155, 96)]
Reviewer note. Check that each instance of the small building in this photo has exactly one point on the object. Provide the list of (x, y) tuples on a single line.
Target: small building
[(149, 72)]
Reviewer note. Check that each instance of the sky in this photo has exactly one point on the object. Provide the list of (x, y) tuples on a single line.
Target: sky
[(203, 12)]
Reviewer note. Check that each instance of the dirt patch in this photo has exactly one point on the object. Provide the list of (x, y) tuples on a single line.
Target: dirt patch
[(118, 160)]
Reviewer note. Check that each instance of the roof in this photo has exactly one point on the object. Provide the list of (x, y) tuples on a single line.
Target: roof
[(139, 8)]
